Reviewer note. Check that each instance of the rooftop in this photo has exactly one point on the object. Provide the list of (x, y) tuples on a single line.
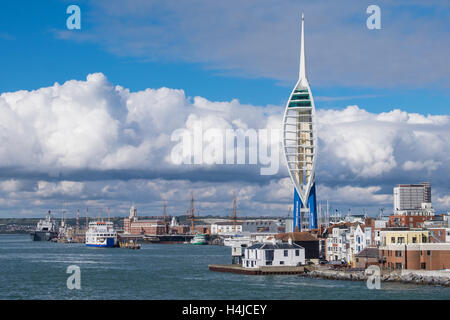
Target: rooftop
[(296, 236), (271, 246), (369, 252)]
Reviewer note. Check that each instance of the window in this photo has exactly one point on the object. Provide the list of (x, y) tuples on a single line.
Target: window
[(297, 253), (414, 240), (268, 263), (398, 266), (398, 253), (428, 252), (285, 253), (269, 255), (393, 239), (423, 265), (281, 262)]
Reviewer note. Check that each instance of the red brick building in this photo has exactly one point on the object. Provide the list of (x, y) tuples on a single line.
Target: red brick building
[(408, 221), (152, 227), (417, 256)]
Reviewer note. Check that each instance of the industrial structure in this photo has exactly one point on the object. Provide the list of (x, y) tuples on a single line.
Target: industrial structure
[(300, 147)]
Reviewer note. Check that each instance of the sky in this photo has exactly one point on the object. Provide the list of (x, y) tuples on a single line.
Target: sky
[(87, 116)]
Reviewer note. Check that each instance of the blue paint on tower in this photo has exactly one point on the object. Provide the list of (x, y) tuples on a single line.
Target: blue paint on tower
[(312, 218)]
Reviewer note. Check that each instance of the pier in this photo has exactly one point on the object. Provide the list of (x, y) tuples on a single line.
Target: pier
[(234, 268)]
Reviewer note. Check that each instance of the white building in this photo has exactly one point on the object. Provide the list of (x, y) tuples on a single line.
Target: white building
[(226, 227), (336, 244), (273, 254), (413, 199), (345, 242)]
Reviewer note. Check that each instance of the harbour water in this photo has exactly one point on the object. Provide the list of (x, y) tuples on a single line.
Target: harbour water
[(37, 270)]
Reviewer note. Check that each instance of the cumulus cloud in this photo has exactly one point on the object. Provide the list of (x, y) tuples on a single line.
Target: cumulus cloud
[(94, 141)]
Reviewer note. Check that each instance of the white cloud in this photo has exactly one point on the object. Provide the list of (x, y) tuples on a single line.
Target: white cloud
[(429, 165), (86, 134)]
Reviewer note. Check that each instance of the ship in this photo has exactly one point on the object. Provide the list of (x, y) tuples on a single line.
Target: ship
[(101, 234), (199, 238), (46, 229)]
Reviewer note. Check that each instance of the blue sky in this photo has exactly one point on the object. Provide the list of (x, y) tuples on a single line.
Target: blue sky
[(34, 56), (207, 52)]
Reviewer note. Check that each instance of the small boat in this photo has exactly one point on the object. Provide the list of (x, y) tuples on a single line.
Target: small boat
[(199, 239), (130, 245), (101, 234)]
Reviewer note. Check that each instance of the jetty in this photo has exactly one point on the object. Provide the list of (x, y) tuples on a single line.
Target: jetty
[(236, 268)]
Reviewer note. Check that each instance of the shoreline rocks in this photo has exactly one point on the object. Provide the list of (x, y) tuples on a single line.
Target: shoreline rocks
[(411, 277)]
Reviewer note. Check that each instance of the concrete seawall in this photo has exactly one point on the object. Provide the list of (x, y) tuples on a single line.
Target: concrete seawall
[(233, 268), (441, 278)]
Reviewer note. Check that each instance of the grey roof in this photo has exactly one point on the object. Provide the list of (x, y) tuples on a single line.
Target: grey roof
[(271, 246), (369, 253)]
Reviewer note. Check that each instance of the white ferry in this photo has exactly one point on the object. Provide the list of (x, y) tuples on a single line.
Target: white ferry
[(101, 234)]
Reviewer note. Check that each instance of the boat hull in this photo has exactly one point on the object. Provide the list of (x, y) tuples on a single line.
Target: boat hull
[(110, 243), (43, 235)]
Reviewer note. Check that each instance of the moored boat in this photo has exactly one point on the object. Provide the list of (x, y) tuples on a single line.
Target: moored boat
[(199, 239), (101, 234), (46, 230)]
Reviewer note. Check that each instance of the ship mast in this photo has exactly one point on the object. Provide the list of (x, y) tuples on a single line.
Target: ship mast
[(164, 217), (87, 218), (192, 212), (77, 223), (234, 212)]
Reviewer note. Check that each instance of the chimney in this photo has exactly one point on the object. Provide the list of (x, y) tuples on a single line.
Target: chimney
[(290, 240)]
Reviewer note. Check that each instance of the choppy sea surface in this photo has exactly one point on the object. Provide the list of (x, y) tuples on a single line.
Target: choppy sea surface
[(37, 270)]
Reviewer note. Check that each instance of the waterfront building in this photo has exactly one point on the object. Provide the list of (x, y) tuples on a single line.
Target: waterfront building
[(273, 254), (368, 256), (226, 227), (300, 147), (260, 225), (403, 236), (372, 230), (336, 244), (416, 256), (304, 239), (132, 225), (344, 241)]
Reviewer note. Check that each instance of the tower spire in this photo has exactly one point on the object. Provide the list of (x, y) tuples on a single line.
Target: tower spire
[(302, 71)]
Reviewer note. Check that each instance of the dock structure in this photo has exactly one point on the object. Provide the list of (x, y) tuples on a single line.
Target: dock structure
[(278, 270)]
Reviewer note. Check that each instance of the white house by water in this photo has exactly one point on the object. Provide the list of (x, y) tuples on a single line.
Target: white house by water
[(273, 254)]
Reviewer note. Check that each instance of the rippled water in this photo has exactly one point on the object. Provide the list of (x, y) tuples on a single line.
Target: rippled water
[(37, 270)]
